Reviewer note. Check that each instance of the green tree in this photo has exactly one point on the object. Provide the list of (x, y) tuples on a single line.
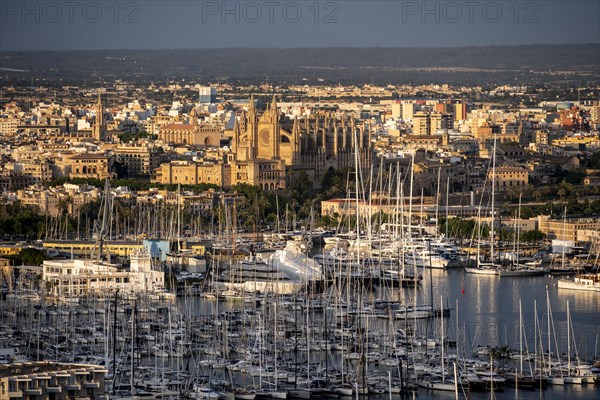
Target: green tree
[(532, 236), (30, 256)]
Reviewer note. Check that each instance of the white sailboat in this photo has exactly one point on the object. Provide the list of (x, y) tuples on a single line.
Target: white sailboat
[(479, 266)]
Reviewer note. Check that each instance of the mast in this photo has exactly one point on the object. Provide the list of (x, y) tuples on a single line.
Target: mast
[(437, 201), (492, 233), (549, 340), (447, 204), (568, 340), (357, 198), (564, 238), (520, 339), (178, 218), (442, 321), (105, 213), (131, 381), (412, 173), (115, 342)]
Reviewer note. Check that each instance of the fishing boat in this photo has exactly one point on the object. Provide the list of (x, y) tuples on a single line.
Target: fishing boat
[(586, 282)]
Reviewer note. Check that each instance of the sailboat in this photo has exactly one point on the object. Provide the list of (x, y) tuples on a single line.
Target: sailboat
[(516, 269), (440, 383), (488, 267)]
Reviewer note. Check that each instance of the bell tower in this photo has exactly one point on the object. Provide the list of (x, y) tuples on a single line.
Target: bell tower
[(98, 129), (269, 133)]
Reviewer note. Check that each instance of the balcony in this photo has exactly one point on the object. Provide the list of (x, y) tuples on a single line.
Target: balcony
[(34, 392), (73, 386), (92, 385), (15, 395), (53, 389)]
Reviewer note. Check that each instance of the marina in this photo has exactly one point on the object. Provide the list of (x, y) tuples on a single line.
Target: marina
[(381, 341)]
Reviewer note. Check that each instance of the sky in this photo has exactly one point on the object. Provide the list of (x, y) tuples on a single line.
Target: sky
[(165, 24)]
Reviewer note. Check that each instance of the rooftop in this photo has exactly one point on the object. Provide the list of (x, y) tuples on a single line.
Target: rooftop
[(42, 367)]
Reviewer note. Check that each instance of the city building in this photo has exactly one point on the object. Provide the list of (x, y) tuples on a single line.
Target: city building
[(83, 276), (509, 177), (421, 123), (460, 112), (267, 150), (139, 160), (67, 198), (87, 165), (52, 380), (186, 172), (207, 94), (86, 248), (570, 230), (99, 129), (192, 134), (8, 126)]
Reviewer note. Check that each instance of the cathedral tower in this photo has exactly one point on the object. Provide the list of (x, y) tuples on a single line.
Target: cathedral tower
[(98, 129)]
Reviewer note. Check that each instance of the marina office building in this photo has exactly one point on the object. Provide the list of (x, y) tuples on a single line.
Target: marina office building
[(78, 277)]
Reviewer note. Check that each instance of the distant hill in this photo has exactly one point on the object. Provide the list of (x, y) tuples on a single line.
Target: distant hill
[(468, 65)]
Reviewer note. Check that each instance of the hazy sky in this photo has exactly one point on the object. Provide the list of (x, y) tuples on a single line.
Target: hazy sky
[(156, 24)]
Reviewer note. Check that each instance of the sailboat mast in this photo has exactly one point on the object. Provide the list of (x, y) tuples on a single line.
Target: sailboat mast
[(520, 339), (492, 233), (549, 340), (447, 203), (437, 201), (179, 217), (442, 322), (568, 340), (412, 173), (105, 214)]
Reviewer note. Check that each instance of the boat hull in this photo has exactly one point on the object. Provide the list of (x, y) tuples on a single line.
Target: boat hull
[(481, 271)]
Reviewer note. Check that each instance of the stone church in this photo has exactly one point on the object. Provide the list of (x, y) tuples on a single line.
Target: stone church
[(268, 149)]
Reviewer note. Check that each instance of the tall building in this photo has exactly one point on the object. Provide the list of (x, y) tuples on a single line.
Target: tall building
[(421, 123), (443, 108), (443, 121), (595, 115), (8, 126), (397, 110), (99, 130), (207, 94), (460, 111), (408, 110)]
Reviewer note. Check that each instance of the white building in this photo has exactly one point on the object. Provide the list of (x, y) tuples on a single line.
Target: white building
[(77, 277)]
